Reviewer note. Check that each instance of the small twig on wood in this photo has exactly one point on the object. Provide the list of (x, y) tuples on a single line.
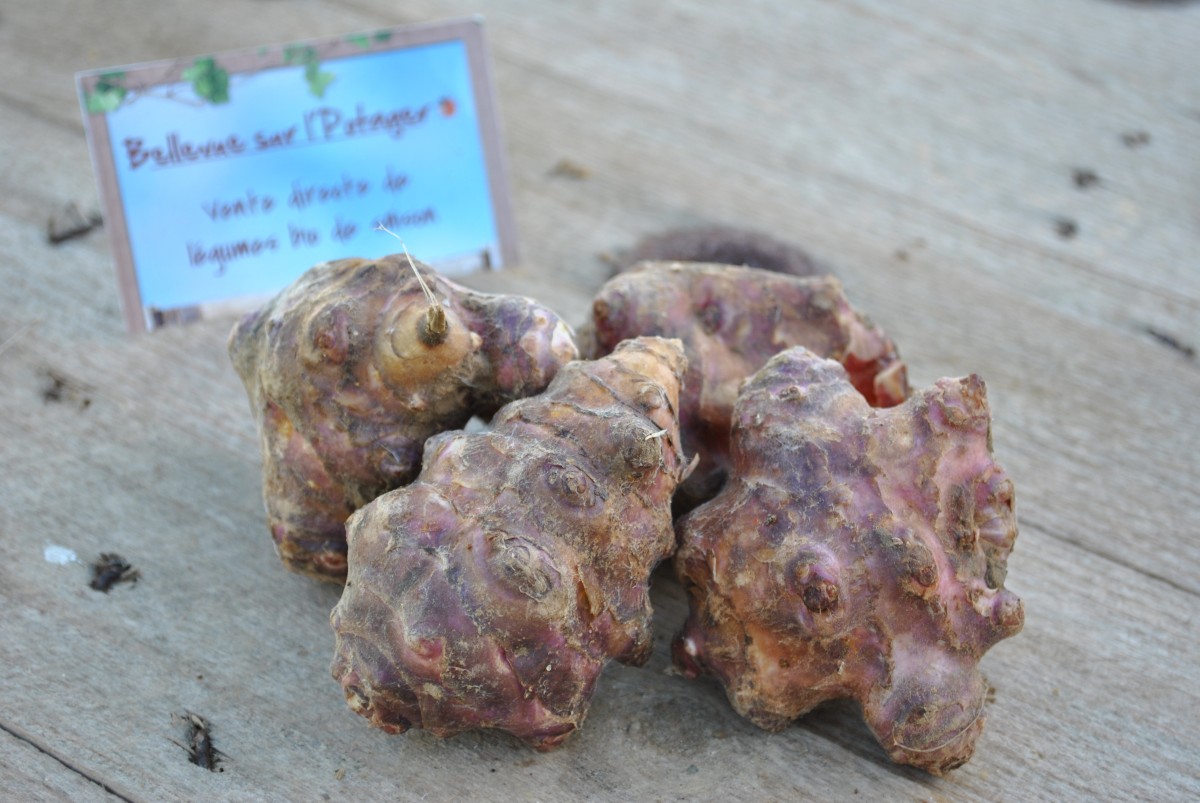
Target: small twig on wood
[(199, 747), (611, 260), (1172, 342), (566, 168)]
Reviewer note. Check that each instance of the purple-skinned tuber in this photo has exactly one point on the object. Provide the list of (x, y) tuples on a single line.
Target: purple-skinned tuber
[(854, 553), (492, 591), (354, 365), (731, 321)]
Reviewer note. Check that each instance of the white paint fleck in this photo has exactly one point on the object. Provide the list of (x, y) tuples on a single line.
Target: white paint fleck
[(60, 555)]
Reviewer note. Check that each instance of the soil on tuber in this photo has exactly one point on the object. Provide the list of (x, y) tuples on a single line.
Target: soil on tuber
[(354, 365), (854, 553), (492, 591), (731, 321)]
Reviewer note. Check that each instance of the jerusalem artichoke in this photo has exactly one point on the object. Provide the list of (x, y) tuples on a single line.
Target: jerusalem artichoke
[(490, 592), (352, 367), (731, 320), (854, 553)]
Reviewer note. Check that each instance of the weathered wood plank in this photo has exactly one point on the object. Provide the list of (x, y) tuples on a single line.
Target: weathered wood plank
[(923, 149), (914, 124), (206, 540), (856, 134)]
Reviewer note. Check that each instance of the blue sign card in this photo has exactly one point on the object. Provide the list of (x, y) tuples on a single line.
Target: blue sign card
[(225, 177)]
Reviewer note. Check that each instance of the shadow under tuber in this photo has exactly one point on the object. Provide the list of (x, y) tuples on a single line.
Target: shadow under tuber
[(724, 245)]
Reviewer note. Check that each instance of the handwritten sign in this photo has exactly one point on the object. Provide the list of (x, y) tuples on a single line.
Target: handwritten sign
[(225, 177)]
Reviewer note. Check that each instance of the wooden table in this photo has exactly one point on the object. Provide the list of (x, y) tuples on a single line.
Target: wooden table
[(1008, 188)]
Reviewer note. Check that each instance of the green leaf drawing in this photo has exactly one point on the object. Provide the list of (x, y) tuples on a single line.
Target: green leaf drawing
[(208, 80), (317, 80), (108, 94), (360, 40), (383, 36), (299, 54)]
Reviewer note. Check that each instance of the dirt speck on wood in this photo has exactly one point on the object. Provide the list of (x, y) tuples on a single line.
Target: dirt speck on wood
[(1084, 178), (1066, 228), (111, 569)]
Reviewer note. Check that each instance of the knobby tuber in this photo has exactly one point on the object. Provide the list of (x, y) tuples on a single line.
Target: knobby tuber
[(353, 366), (490, 592), (731, 321), (854, 553)]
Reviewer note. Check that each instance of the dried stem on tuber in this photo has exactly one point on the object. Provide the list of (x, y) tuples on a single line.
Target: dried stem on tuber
[(435, 328)]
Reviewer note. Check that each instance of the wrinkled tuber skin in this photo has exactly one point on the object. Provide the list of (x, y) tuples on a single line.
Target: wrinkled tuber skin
[(348, 375), (724, 245), (731, 321), (854, 553), (492, 591)]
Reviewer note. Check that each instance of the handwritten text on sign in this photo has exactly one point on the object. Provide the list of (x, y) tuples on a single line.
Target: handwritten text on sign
[(229, 181)]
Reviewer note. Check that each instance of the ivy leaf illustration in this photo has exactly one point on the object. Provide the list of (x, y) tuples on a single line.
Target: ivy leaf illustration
[(108, 94), (318, 82), (299, 54), (208, 80)]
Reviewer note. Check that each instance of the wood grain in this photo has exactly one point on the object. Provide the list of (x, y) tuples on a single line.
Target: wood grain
[(924, 149)]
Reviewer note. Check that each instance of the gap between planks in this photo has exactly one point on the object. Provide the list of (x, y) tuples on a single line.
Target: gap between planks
[(45, 750), (1051, 532)]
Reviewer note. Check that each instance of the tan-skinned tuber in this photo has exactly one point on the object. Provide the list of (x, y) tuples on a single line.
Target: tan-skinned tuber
[(351, 368), (854, 553), (492, 591)]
